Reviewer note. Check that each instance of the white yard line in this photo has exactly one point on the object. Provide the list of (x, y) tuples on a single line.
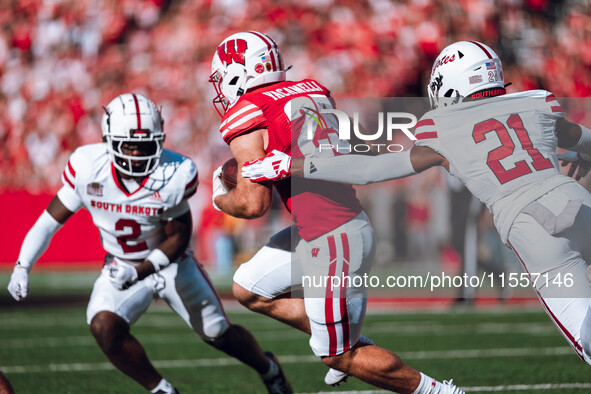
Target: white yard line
[(528, 387), (299, 359), (482, 389), (286, 333)]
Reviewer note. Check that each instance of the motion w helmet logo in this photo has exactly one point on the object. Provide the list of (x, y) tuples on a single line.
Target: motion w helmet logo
[(232, 51)]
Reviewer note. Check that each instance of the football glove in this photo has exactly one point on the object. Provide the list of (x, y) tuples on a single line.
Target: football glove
[(273, 167), (18, 287), (122, 276), (576, 163), (218, 187)]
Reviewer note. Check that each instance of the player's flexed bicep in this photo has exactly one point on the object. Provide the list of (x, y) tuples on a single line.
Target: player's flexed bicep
[(247, 200)]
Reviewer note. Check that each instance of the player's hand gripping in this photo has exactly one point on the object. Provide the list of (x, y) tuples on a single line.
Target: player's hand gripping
[(273, 167), (576, 163), (217, 186), (122, 276), (18, 287)]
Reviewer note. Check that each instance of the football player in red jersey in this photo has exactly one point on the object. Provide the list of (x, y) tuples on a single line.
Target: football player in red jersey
[(262, 112), (136, 193)]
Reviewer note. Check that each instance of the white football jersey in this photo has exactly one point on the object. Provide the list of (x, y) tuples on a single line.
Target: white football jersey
[(131, 224), (501, 148)]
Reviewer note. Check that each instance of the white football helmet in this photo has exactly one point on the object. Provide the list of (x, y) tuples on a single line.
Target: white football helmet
[(463, 68), (133, 120), (242, 61)]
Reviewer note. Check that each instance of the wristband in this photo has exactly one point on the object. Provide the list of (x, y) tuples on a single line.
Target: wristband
[(158, 259), (19, 266)]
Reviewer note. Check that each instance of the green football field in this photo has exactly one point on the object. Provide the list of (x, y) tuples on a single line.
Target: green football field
[(515, 349)]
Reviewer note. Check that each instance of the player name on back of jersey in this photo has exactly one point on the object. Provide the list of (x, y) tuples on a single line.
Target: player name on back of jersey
[(299, 88), (127, 208)]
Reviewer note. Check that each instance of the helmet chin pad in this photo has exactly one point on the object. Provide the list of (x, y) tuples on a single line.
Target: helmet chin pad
[(233, 82)]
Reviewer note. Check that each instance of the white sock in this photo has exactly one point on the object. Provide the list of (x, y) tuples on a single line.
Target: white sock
[(428, 385), (272, 372), (165, 386)]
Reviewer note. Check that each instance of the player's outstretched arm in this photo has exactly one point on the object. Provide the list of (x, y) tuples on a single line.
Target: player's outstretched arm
[(576, 138), (35, 243), (362, 170), (352, 169), (247, 200)]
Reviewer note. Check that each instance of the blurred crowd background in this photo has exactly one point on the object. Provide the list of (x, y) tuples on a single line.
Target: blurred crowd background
[(60, 61)]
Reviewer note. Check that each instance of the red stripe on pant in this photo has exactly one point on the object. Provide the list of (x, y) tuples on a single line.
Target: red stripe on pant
[(567, 335), (328, 305), (343, 295)]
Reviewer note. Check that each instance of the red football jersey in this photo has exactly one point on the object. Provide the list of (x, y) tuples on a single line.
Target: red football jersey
[(317, 207)]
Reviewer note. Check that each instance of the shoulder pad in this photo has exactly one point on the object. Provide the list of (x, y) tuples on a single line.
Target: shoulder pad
[(242, 118)]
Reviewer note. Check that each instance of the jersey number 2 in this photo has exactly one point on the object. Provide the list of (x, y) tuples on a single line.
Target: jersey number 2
[(135, 233), (507, 147)]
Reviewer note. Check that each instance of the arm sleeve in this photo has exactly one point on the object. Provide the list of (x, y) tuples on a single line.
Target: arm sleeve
[(37, 240), (360, 169)]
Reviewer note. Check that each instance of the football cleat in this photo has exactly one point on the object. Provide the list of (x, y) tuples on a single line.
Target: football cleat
[(335, 377), (279, 383), (168, 390), (450, 388)]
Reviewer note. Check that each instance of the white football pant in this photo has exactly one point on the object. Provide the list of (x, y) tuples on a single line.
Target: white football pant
[(183, 285), (559, 261), (336, 315)]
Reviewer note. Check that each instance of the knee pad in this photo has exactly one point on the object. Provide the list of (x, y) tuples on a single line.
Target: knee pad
[(214, 329)]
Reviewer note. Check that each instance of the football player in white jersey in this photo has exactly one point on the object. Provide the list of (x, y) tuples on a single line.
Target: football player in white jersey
[(502, 147), (136, 193)]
